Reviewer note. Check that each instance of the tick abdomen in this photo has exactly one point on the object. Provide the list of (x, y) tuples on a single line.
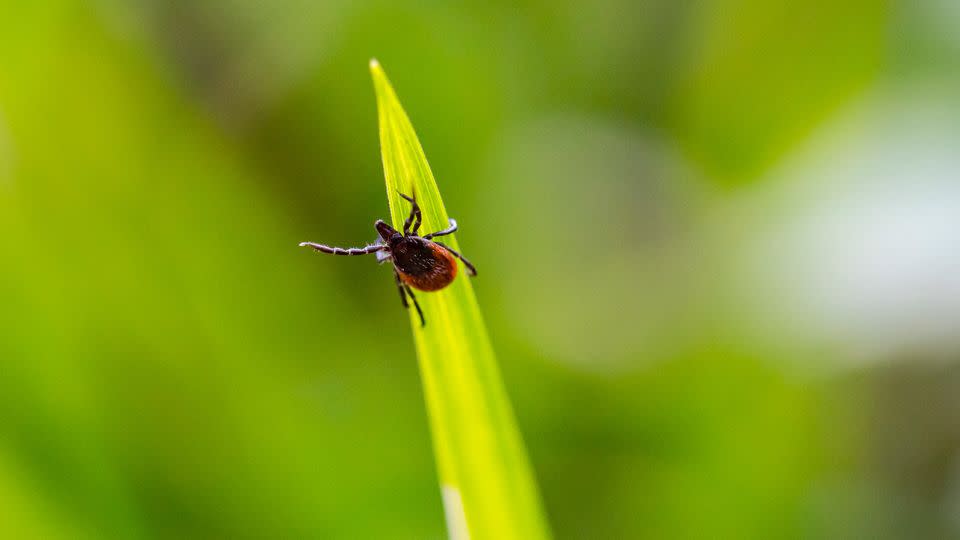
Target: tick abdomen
[(423, 264)]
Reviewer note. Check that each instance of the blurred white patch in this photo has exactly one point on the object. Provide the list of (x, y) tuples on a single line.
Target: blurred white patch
[(859, 240), (456, 519)]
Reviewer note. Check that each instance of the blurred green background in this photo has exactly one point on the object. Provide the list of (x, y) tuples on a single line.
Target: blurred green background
[(718, 242)]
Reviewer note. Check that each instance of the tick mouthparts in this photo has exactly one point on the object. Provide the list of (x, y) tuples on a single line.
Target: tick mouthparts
[(385, 231)]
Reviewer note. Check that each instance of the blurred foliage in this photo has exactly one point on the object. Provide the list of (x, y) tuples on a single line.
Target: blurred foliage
[(760, 74), (173, 366)]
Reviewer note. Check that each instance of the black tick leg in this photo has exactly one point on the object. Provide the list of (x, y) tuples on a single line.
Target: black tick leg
[(404, 291), (344, 251), (415, 217), (470, 268), (449, 230), (416, 304)]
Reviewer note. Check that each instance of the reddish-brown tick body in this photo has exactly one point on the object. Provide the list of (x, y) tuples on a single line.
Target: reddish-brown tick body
[(418, 261), (422, 264)]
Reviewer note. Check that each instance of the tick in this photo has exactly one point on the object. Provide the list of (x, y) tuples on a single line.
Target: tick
[(418, 261)]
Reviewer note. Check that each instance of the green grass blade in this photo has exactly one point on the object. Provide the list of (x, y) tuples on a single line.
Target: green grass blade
[(487, 484)]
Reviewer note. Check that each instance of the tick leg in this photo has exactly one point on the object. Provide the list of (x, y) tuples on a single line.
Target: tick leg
[(416, 304), (415, 217), (449, 230), (470, 268), (344, 251), (403, 293)]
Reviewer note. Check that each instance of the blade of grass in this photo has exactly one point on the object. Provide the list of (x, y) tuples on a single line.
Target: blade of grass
[(487, 484)]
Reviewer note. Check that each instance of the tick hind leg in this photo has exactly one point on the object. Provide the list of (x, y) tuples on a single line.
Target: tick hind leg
[(404, 291), (415, 217), (416, 304), (471, 270)]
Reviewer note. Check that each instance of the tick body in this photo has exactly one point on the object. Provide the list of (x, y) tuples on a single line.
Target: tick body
[(418, 261)]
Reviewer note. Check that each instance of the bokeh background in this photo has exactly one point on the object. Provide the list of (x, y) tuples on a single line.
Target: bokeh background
[(718, 241)]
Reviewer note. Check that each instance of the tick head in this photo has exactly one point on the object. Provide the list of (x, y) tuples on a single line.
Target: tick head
[(385, 231)]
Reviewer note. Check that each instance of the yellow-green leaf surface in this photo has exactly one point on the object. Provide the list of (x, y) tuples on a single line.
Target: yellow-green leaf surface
[(486, 481)]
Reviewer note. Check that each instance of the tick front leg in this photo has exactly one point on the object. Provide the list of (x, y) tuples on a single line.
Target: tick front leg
[(471, 270), (449, 230), (415, 217), (343, 251)]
